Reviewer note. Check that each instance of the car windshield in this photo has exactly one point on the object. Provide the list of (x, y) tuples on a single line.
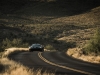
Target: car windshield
[(36, 45)]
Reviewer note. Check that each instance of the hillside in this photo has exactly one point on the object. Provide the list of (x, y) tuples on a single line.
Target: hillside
[(61, 24)]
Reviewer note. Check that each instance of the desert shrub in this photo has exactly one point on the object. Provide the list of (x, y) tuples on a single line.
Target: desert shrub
[(49, 47), (6, 43), (93, 45)]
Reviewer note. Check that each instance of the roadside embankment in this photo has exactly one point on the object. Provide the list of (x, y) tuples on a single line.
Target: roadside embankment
[(77, 53)]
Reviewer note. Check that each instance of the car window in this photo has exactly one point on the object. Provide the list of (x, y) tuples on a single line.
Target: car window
[(36, 45)]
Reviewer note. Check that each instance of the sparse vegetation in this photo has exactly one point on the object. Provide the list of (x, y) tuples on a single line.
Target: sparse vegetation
[(49, 47), (6, 43), (8, 67), (78, 54), (93, 45), (57, 24), (32, 25), (90, 51)]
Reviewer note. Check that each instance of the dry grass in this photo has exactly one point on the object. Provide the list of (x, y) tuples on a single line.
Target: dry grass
[(77, 53), (80, 36), (10, 67), (13, 68), (44, 29), (10, 50)]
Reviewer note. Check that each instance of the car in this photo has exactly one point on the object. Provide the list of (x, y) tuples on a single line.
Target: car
[(36, 47)]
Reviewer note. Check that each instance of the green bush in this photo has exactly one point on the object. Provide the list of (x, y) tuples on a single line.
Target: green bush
[(6, 43), (93, 45)]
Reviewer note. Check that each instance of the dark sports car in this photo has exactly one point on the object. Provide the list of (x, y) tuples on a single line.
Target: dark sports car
[(36, 47)]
